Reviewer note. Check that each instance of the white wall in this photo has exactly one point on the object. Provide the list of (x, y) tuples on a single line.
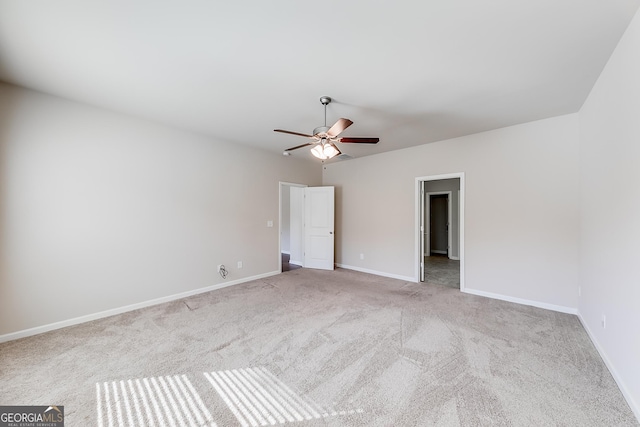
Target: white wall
[(521, 211), (100, 210), (610, 213)]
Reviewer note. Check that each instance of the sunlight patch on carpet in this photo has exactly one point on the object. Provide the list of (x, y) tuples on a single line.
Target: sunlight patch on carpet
[(257, 398), (156, 401)]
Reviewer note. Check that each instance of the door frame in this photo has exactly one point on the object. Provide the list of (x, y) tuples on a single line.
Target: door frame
[(427, 211), (281, 186), (418, 211)]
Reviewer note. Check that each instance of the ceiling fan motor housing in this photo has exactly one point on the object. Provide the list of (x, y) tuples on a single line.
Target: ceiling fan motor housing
[(321, 131)]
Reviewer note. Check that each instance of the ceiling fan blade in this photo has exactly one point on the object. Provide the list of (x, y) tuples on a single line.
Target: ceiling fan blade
[(339, 127), (348, 139), (293, 133), (299, 146)]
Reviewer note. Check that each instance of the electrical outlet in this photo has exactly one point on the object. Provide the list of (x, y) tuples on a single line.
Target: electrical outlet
[(239, 264), (604, 321), (579, 291), (269, 223), (361, 256)]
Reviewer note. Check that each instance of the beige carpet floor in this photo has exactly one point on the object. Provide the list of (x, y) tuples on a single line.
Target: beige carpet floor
[(315, 348)]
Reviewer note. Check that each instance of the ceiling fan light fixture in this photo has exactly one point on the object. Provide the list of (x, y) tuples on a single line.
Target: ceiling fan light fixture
[(323, 137), (331, 150), (325, 150), (318, 152)]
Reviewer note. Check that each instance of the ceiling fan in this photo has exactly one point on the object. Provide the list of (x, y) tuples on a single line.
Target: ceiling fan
[(324, 137)]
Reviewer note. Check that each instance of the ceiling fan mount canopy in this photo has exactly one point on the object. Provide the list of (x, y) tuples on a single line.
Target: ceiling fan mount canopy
[(325, 137), (325, 100)]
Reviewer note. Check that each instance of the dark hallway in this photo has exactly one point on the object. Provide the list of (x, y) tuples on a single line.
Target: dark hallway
[(286, 265)]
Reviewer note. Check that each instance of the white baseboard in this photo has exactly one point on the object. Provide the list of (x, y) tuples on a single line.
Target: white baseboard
[(377, 273), (454, 258), (111, 312), (635, 406), (295, 262), (552, 307)]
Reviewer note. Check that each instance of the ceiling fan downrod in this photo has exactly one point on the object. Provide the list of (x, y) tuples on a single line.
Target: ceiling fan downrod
[(325, 100)]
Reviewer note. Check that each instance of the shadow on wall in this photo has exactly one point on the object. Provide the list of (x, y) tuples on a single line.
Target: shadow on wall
[(8, 104)]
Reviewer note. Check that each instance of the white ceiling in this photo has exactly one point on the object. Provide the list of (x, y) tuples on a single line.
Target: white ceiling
[(407, 71)]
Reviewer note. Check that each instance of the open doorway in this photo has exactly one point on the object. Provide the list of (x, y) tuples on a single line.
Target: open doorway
[(291, 226), (439, 227), (440, 230)]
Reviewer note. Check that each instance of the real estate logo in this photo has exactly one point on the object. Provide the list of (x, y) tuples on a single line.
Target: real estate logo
[(31, 416)]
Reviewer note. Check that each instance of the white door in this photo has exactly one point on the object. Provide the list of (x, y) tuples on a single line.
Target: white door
[(319, 231)]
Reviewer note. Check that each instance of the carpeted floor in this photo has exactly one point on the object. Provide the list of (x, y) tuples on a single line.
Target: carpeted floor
[(320, 348), (440, 270)]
